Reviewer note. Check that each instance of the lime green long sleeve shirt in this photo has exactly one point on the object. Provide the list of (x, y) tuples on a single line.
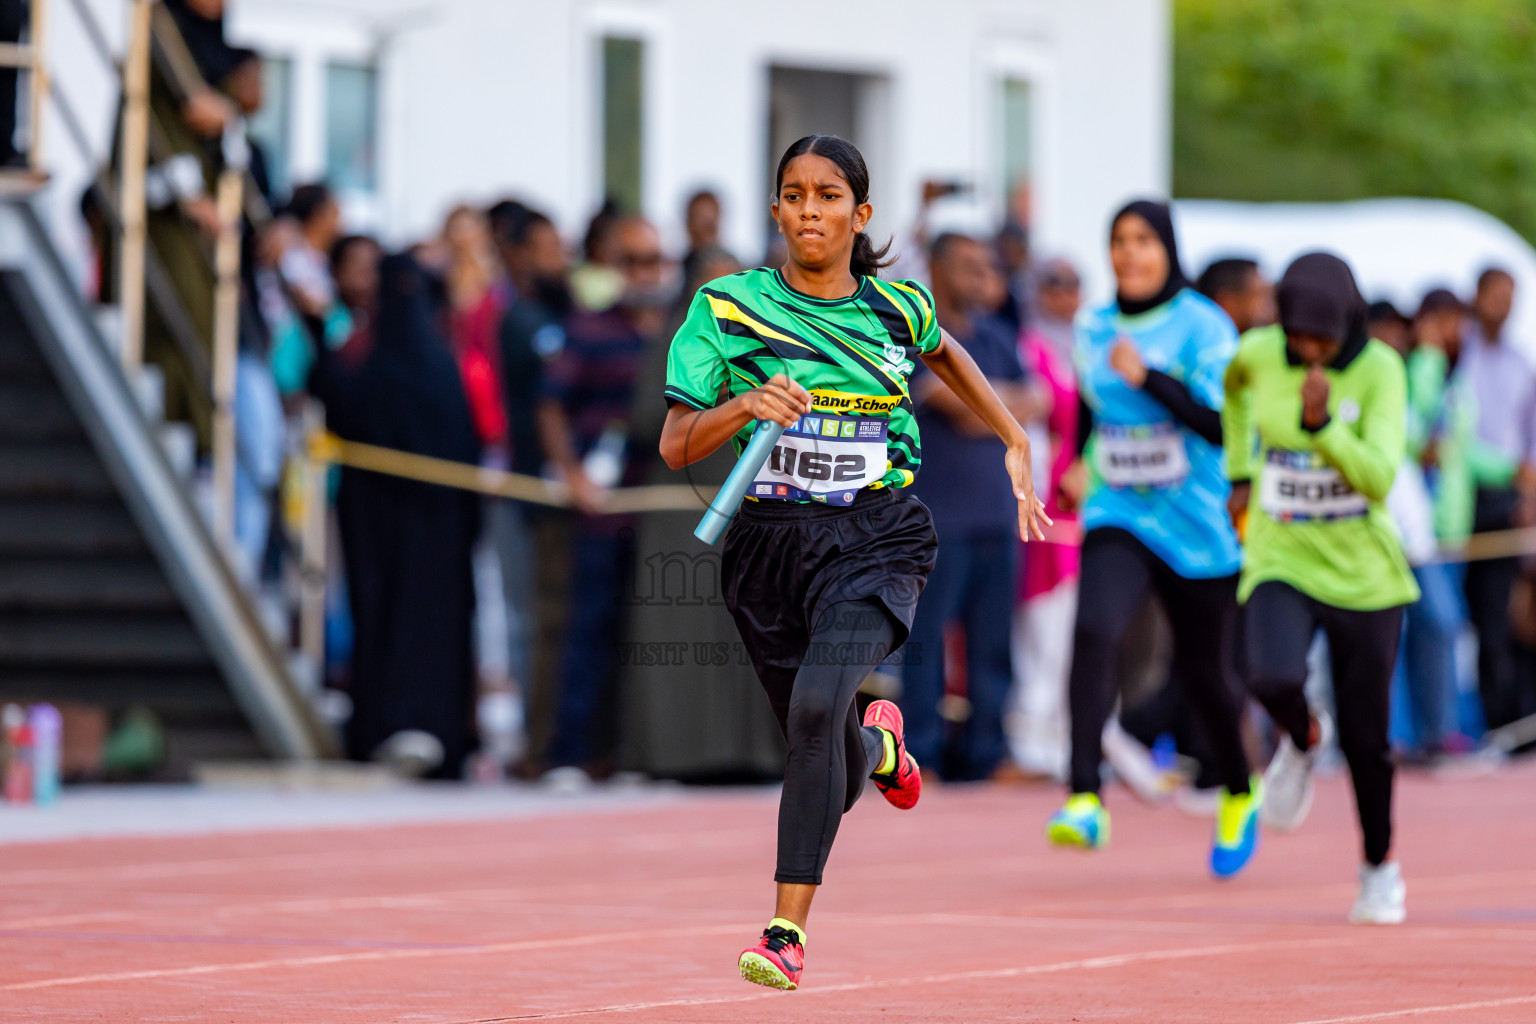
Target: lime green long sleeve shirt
[(1443, 410), (1317, 516)]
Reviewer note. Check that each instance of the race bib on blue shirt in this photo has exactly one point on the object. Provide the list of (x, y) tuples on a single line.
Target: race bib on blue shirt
[(1140, 456)]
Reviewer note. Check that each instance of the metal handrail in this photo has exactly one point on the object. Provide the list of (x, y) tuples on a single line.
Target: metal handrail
[(157, 278), (26, 58), (156, 39)]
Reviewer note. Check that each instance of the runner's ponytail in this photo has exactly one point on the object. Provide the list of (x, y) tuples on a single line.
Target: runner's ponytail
[(866, 260)]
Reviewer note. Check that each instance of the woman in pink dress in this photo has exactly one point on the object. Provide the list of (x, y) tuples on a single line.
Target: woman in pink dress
[(1047, 598)]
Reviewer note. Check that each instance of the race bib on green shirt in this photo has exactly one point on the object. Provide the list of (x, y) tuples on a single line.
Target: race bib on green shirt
[(1299, 487), (824, 458)]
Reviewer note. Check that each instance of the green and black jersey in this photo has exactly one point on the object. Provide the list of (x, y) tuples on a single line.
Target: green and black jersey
[(853, 355)]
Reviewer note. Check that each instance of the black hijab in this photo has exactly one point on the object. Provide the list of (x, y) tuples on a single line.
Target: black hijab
[(1161, 220), (1318, 295), (419, 401), (408, 393)]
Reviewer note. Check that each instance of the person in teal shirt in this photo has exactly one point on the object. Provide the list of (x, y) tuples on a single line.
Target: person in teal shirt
[(1150, 369), (1315, 428)]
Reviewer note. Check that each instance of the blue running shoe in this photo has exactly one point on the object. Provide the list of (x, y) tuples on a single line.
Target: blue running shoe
[(1236, 836), (1082, 822)]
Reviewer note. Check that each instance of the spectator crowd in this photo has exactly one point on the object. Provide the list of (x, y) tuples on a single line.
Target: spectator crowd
[(497, 343)]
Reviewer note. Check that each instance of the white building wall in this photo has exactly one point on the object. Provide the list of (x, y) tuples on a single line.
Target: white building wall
[(486, 98)]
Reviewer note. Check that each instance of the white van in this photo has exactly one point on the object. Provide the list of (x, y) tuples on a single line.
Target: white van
[(1399, 248)]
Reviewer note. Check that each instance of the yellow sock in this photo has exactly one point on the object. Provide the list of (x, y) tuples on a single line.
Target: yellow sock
[(789, 926), (888, 762)]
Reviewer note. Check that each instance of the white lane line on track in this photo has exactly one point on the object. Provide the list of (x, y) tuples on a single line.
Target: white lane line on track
[(1001, 973), (502, 900), (503, 851), (695, 931), (1469, 882), (577, 941), (384, 954), (448, 898), (1422, 1011)]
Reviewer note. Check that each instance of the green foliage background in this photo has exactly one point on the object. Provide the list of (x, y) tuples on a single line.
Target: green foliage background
[(1345, 99)]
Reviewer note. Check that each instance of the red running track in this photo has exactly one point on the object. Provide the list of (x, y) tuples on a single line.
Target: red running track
[(954, 912)]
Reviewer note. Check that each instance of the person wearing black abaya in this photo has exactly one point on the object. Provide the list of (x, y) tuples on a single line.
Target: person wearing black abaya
[(407, 545)]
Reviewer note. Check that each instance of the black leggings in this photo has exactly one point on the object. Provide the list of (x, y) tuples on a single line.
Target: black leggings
[(1489, 585), (1118, 572), (830, 754), (1281, 622)]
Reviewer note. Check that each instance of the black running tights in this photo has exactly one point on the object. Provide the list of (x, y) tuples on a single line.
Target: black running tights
[(1118, 572), (830, 754), (1281, 622)]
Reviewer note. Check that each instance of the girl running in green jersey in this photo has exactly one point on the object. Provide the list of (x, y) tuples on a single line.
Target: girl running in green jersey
[(823, 567), (1327, 407)]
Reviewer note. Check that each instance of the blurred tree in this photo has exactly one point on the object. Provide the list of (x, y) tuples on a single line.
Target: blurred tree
[(1322, 100)]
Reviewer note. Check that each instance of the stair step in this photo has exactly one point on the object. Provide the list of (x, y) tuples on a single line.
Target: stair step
[(32, 413), (39, 529), (84, 585), (53, 469), (177, 694), (191, 746), (117, 641), (19, 360)]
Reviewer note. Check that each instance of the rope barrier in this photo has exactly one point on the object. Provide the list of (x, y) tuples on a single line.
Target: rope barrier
[(328, 448), (1482, 547)]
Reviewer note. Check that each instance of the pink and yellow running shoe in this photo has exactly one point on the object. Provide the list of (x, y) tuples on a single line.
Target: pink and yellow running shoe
[(903, 785), (777, 959)]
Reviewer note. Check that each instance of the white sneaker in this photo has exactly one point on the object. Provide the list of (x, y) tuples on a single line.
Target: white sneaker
[(1382, 895), (411, 753), (1134, 766), (567, 780), (1197, 803), (1288, 779)]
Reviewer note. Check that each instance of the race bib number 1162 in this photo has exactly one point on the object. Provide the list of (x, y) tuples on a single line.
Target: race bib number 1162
[(824, 458)]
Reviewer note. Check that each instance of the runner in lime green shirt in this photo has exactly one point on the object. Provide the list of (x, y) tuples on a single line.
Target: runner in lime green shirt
[(1319, 521), (1314, 429)]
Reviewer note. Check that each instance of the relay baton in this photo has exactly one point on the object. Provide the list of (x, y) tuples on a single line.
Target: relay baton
[(718, 516)]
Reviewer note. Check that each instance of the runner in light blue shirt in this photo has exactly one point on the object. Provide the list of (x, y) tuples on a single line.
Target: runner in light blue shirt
[(1151, 368), (1151, 473)]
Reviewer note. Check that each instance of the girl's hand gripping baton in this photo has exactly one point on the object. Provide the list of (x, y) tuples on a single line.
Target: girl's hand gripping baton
[(718, 516)]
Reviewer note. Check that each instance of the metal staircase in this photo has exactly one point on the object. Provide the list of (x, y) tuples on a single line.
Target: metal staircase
[(112, 589)]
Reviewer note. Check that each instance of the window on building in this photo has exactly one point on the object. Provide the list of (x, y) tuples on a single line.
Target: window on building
[(1015, 148), (351, 127), (808, 101), (623, 130), (273, 123)]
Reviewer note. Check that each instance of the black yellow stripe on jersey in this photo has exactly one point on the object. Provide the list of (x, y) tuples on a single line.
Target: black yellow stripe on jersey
[(892, 382), (854, 354), (902, 310), (849, 339), (737, 322)]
